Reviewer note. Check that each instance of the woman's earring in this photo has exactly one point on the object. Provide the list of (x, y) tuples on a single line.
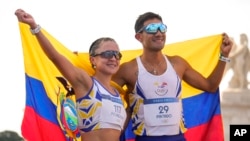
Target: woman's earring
[(94, 66)]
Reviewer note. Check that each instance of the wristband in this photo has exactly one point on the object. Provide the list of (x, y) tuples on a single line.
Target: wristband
[(224, 59), (36, 30)]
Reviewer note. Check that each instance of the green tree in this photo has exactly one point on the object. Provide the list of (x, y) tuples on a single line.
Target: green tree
[(10, 136)]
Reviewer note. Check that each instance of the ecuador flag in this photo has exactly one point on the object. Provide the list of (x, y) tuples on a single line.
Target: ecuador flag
[(49, 111)]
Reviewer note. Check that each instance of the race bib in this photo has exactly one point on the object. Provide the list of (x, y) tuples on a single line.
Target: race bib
[(162, 111), (113, 111)]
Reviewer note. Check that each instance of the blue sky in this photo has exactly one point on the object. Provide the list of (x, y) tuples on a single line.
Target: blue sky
[(77, 23)]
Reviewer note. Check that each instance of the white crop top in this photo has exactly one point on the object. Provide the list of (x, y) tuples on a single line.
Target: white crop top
[(100, 109)]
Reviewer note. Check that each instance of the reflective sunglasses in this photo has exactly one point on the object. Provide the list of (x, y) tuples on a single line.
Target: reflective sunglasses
[(109, 54), (153, 28)]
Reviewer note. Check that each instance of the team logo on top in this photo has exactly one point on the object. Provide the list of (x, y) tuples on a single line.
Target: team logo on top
[(161, 88)]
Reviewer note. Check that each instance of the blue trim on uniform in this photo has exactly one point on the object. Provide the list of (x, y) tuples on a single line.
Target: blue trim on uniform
[(160, 100)]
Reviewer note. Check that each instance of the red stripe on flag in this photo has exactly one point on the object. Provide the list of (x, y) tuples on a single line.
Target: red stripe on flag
[(35, 128), (211, 131)]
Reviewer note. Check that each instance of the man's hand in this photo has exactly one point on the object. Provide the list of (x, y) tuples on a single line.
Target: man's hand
[(226, 45)]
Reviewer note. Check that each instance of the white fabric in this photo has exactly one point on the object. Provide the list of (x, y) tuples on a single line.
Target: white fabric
[(158, 104)]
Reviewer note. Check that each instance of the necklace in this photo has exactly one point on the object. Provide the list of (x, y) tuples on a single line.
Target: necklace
[(154, 70)]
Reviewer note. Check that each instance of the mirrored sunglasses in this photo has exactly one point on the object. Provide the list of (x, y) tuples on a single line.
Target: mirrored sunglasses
[(109, 54), (153, 28)]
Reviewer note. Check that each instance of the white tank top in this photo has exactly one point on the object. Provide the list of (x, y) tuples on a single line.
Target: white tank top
[(156, 102)]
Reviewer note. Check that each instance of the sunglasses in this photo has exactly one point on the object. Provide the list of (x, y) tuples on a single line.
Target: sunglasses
[(109, 54), (153, 28)]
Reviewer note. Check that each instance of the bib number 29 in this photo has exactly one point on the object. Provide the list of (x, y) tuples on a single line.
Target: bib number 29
[(163, 109)]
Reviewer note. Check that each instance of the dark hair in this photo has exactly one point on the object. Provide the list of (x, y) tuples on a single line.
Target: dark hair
[(144, 17), (96, 44)]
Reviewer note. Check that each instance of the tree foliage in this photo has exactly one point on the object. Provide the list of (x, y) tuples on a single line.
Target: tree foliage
[(10, 136)]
